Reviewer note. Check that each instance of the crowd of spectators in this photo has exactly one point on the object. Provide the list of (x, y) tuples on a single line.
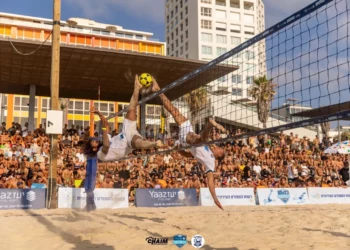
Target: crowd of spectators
[(259, 162)]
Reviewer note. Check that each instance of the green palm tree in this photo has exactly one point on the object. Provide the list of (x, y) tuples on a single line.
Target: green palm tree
[(263, 91), (196, 100)]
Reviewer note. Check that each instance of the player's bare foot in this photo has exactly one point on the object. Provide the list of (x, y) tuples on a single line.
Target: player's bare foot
[(155, 86), (217, 126), (159, 144)]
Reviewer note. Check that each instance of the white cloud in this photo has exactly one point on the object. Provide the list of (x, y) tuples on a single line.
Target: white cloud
[(150, 10)]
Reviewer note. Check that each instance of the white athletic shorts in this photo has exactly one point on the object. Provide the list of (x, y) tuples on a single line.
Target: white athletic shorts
[(130, 130), (205, 156), (184, 129)]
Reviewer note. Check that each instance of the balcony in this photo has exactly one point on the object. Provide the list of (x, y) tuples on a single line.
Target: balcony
[(221, 2), (248, 6), (235, 4)]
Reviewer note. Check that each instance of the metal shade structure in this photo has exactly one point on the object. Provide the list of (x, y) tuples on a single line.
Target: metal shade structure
[(326, 110), (83, 69)]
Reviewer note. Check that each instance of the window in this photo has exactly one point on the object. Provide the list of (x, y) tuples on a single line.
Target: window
[(172, 47), (186, 21), (171, 14), (181, 15), (181, 38), (176, 9), (206, 1), (248, 6), (176, 42), (167, 19), (177, 53), (186, 10), (186, 33), (237, 92), (235, 4), (235, 41), (172, 36), (236, 79), (176, 32), (250, 69), (221, 26), (220, 14), (220, 51), (176, 21), (221, 39), (205, 24), (234, 28), (250, 79), (221, 2), (205, 11), (235, 16), (181, 4), (186, 46), (181, 26), (167, 51), (249, 30), (222, 79), (206, 37), (249, 55), (207, 50), (181, 50), (248, 18)]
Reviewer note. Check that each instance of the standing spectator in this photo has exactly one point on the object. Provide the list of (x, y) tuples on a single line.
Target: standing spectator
[(344, 173)]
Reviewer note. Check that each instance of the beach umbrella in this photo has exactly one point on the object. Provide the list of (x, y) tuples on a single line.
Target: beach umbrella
[(340, 147)]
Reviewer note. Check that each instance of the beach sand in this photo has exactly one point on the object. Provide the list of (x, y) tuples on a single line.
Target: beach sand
[(298, 227)]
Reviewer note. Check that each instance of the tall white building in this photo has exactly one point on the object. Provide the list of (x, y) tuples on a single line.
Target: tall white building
[(206, 29)]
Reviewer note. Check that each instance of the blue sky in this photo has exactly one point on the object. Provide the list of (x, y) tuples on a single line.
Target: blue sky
[(145, 15)]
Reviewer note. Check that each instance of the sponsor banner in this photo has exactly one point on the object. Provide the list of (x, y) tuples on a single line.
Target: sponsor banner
[(171, 197), (228, 196), (282, 196), (22, 198), (329, 195), (104, 198)]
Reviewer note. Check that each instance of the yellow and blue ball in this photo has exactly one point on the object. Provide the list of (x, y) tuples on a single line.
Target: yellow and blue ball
[(145, 79)]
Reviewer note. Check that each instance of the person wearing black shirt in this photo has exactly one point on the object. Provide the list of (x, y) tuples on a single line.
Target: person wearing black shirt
[(344, 172), (125, 174), (117, 182), (246, 172)]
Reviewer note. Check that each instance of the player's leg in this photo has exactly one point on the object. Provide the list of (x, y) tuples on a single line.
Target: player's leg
[(134, 101), (178, 117), (137, 142)]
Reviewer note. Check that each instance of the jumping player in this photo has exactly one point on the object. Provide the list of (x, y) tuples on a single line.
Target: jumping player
[(128, 140), (188, 137)]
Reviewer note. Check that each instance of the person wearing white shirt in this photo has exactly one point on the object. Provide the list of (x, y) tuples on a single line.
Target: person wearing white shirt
[(81, 156), (167, 158), (257, 168)]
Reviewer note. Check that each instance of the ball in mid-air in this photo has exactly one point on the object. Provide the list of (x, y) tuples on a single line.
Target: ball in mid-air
[(145, 79)]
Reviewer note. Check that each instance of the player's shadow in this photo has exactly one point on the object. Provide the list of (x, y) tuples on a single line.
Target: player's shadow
[(336, 234), (139, 218), (74, 217), (79, 243)]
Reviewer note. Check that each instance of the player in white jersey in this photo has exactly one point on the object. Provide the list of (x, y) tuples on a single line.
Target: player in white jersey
[(188, 137), (129, 139)]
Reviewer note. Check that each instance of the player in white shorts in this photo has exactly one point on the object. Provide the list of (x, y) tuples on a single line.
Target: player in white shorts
[(188, 137), (129, 139)]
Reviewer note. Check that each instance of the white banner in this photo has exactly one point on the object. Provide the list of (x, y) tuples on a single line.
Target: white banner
[(329, 195), (282, 196), (228, 197), (104, 198)]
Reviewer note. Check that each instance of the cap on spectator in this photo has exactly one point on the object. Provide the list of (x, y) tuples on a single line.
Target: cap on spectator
[(249, 179), (179, 179), (303, 174), (19, 183)]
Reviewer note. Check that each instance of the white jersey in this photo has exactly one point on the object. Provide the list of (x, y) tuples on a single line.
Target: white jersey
[(204, 155), (118, 149), (120, 145)]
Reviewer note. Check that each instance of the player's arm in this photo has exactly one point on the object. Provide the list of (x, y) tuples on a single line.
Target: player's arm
[(211, 187), (185, 153), (105, 130)]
